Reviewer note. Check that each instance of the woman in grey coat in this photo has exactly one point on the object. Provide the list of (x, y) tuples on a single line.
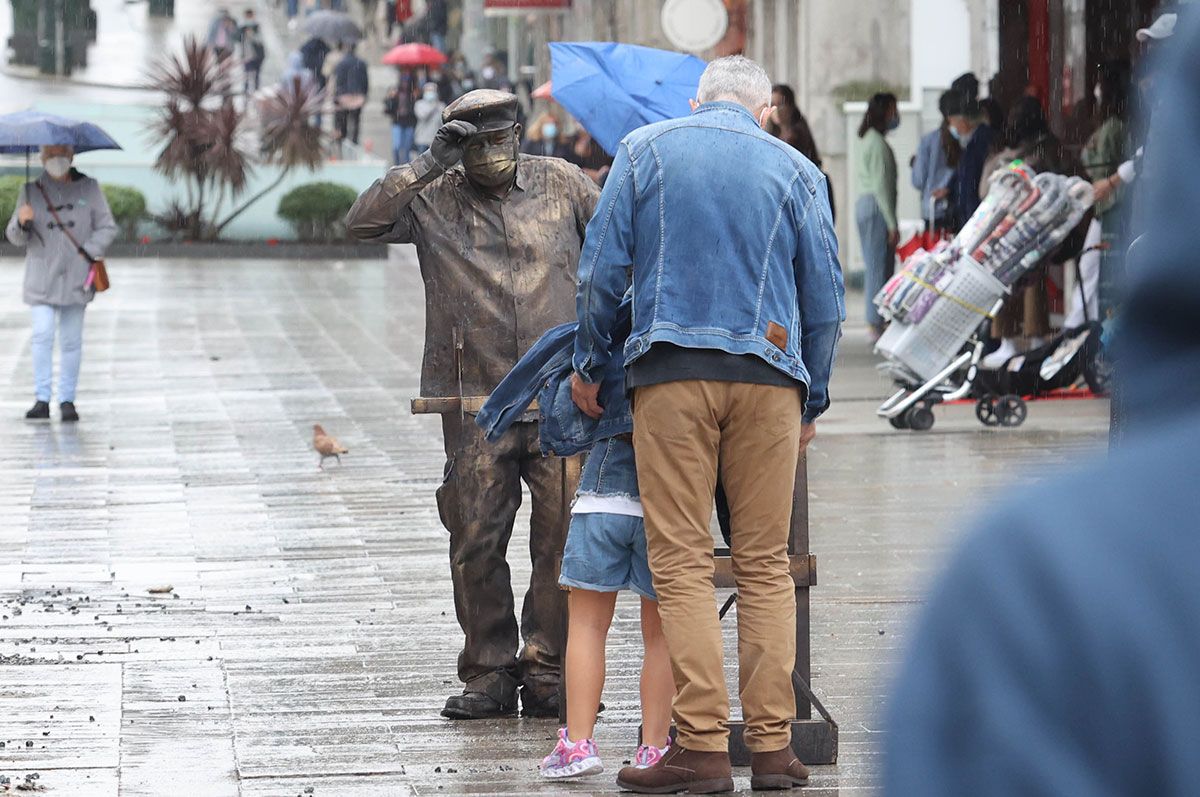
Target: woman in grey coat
[(56, 272)]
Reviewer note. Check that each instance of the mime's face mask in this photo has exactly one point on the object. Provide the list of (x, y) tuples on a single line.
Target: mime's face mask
[(490, 159)]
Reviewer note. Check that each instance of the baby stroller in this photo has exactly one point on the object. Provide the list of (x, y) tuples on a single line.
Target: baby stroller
[(941, 301)]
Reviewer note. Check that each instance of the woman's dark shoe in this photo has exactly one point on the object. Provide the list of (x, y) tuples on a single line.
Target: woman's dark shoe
[(478, 706), (778, 770), (67, 408), (693, 771), (40, 411)]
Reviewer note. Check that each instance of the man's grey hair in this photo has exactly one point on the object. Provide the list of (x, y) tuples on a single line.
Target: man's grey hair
[(735, 78)]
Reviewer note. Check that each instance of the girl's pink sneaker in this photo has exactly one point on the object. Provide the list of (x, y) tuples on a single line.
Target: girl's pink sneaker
[(648, 755), (571, 759)]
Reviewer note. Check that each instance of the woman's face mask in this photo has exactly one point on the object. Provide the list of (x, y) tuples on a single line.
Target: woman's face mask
[(549, 131), (490, 159), (58, 166), (893, 123)]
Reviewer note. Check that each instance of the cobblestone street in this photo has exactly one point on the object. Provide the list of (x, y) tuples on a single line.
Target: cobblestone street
[(308, 640)]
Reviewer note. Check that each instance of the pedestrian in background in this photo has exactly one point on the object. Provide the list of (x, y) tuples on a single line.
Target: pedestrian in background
[(933, 169), (58, 259), (253, 53), (875, 210), (314, 51), (350, 94), (975, 137), (737, 310), (222, 34), (1106, 149), (545, 138), (788, 124), (587, 154), (1024, 320), (399, 106), (428, 111)]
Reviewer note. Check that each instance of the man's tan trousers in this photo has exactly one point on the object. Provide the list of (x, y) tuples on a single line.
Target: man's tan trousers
[(682, 430)]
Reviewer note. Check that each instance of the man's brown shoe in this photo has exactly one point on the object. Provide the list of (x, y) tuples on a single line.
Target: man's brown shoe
[(778, 770), (681, 770)]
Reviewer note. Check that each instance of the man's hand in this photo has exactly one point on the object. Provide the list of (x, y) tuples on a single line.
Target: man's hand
[(893, 238), (940, 193), (448, 143), (586, 397), (25, 215), (807, 432)]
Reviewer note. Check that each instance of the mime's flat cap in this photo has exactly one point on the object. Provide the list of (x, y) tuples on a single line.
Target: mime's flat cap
[(487, 109)]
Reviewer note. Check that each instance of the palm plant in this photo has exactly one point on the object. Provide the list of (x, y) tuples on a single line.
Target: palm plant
[(206, 145), (200, 129), (289, 141)]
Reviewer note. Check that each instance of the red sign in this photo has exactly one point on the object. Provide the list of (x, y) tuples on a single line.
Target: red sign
[(526, 5)]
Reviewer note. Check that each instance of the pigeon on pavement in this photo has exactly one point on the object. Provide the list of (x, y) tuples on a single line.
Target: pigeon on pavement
[(327, 446)]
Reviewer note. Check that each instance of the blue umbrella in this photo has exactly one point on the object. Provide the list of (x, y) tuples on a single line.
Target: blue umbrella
[(613, 89), (25, 131)]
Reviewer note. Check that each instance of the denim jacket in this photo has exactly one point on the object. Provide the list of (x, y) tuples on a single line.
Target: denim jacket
[(545, 372), (730, 238)]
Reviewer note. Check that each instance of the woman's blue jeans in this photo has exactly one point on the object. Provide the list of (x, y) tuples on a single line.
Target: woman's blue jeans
[(69, 318), (402, 144), (878, 257)]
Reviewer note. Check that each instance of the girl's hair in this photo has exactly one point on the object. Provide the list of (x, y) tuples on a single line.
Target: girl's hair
[(1114, 78), (879, 107)]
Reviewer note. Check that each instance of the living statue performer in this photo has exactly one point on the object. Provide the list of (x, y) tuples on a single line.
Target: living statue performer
[(498, 236)]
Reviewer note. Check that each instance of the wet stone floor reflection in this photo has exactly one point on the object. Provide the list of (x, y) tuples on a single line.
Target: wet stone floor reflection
[(189, 606)]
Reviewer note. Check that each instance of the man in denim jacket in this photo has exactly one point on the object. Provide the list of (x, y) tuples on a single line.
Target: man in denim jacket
[(737, 309)]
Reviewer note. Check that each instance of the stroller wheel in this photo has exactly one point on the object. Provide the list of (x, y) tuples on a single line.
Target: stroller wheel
[(900, 421), (985, 411), (1011, 410), (919, 417)]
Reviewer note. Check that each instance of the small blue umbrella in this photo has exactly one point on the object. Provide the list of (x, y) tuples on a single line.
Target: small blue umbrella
[(25, 131), (613, 89)]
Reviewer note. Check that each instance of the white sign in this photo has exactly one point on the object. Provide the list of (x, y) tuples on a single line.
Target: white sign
[(694, 25)]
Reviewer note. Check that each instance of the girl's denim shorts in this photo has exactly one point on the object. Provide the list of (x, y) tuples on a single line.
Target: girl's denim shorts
[(606, 543)]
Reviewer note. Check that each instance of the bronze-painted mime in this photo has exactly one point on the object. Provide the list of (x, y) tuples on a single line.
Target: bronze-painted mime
[(498, 236)]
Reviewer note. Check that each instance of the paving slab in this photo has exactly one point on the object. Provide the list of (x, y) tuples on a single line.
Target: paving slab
[(309, 626)]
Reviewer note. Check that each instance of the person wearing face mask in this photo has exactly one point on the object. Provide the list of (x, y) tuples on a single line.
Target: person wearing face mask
[(875, 211), (428, 111), (545, 139), (975, 137), (498, 236), (57, 269)]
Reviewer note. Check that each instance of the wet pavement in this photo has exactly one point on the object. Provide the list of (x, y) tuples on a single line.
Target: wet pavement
[(307, 639)]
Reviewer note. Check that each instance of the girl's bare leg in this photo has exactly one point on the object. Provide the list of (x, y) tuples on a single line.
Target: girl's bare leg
[(591, 614), (658, 684)]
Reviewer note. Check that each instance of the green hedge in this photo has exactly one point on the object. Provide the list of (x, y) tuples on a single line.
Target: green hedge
[(128, 205), (317, 210), (10, 189)]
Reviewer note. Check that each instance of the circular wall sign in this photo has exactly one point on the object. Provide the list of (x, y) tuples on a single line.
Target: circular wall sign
[(694, 25)]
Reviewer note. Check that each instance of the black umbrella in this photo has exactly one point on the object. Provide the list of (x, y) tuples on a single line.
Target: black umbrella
[(334, 26)]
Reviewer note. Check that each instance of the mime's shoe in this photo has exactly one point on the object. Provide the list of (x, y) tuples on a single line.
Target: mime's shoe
[(478, 706)]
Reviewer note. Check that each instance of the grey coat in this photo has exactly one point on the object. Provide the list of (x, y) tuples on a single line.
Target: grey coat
[(55, 272)]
